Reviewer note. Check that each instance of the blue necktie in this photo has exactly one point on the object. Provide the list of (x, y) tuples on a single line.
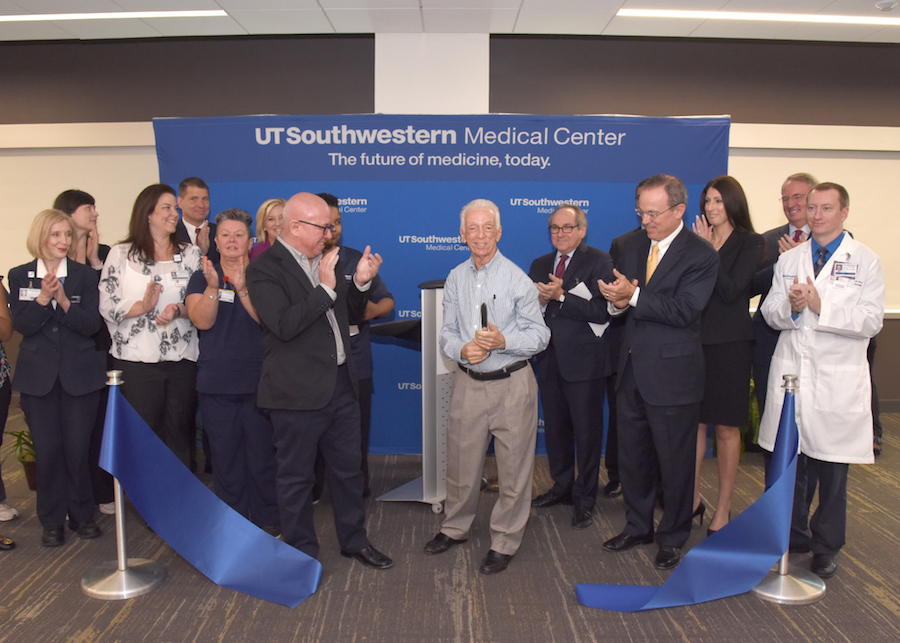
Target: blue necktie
[(820, 261)]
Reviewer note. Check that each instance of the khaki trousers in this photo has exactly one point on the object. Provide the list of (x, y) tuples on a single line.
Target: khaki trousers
[(507, 410)]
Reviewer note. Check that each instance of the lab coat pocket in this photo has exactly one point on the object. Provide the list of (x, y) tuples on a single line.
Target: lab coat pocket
[(840, 389)]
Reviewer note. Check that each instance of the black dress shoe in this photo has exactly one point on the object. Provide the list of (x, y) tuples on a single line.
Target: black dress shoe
[(549, 499), (582, 519), (667, 557), (613, 489), (6, 543), (624, 542), (441, 543), (53, 537), (371, 557), (86, 530), (823, 565), (495, 562)]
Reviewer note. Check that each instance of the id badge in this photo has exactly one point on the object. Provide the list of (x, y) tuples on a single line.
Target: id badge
[(226, 295), (29, 294), (180, 277), (844, 270)]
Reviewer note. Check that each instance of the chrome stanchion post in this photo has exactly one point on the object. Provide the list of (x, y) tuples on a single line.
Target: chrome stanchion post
[(790, 585), (125, 577)]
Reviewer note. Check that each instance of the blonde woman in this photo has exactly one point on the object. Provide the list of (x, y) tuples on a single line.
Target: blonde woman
[(59, 373), (269, 220)]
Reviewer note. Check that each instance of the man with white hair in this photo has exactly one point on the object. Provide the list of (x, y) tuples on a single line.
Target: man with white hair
[(492, 326)]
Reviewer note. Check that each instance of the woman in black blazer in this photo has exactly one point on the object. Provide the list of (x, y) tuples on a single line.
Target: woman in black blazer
[(59, 372), (87, 249), (727, 335)]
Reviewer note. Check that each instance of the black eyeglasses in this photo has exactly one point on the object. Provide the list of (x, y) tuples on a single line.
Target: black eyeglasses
[(556, 229), (323, 228)]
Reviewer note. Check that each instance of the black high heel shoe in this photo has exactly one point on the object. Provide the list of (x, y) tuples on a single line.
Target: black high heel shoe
[(699, 511), (710, 532)]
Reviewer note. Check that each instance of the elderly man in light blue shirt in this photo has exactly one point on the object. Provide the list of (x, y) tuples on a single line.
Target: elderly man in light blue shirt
[(492, 326)]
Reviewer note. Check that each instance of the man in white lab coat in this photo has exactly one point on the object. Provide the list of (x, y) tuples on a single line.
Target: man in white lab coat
[(827, 298)]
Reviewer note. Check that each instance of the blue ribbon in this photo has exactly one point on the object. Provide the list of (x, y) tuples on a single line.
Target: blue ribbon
[(734, 559), (226, 547)]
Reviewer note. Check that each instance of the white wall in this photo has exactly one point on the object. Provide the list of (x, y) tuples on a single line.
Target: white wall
[(115, 161)]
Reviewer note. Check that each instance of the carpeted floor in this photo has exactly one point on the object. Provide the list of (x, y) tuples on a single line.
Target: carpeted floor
[(444, 598)]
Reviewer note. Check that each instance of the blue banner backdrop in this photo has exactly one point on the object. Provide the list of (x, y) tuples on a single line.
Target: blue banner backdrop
[(402, 181)]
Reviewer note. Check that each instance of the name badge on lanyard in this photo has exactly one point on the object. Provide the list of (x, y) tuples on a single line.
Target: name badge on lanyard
[(226, 295), (29, 294)]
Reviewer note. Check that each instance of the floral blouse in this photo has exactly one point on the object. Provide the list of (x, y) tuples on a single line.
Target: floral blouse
[(123, 282)]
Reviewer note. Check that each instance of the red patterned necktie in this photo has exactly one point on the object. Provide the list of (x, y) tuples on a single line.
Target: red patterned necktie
[(798, 235), (561, 267)]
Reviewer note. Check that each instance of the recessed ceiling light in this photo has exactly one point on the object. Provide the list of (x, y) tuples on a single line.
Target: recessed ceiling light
[(117, 15), (769, 17)]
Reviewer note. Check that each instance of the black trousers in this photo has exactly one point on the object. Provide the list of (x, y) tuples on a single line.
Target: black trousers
[(826, 533), (333, 431), (61, 426), (573, 431), (657, 446), (164, 394), (612, 431)]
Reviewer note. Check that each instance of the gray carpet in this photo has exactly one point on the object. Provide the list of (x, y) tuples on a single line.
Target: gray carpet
[(444, 598)]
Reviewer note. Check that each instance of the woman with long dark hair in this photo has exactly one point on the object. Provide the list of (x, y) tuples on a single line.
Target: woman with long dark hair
[(727, 335), (87, 249), (142, 288)]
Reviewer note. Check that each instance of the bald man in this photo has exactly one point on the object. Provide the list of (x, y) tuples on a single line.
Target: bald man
[(307, 382)]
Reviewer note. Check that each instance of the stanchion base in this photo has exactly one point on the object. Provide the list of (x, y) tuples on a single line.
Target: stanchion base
[(109, 583), (798, 587)]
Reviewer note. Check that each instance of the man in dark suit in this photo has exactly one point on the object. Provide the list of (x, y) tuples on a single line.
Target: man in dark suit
[(613, 335), (664, 280), (307, 382), (572, 371), (194, 226), (777, 240)]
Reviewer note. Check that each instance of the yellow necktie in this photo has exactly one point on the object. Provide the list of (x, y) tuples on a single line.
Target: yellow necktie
[(652, 260)]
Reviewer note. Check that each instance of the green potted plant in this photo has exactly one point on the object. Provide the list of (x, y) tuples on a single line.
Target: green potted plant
[(23, 447)]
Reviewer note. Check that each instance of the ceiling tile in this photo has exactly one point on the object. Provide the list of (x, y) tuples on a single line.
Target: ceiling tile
[(370, 4), (266, 5), (375, 20), (469, 20), (659, 27), (539, 20), (891, 34), (838, 33), (196, 26), (103, 29), (303, 21), (66, 6), (741, 29), (471, 4), (167, 5), (32, 31)]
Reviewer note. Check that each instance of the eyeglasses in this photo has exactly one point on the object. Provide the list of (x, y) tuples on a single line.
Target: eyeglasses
[(555, 229), (641, 214), (323, 228)]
